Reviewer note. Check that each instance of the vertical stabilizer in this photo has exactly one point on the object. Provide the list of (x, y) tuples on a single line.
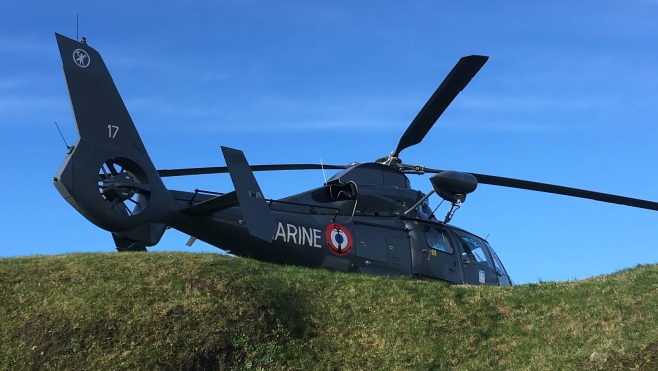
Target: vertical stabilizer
[(108, 175), (259, 218)]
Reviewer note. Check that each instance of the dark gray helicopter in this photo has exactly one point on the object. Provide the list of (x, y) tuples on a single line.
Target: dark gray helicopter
[(364, 219)]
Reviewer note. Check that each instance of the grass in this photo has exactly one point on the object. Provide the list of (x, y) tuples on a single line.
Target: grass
[(178, 311)]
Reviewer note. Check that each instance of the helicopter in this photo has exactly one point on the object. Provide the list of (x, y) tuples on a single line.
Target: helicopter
[(364, 219)]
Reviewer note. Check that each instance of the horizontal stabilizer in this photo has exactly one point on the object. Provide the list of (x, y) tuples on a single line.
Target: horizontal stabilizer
[(257, 214), (214, 204)]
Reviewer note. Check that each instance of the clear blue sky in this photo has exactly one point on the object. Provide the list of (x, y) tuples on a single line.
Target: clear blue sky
[(568, 97)]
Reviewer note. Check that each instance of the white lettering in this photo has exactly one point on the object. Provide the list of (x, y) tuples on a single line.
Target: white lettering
[(292, 235), (306, 236), (112, 131), (316, 238), (280, 232), (298, 235)]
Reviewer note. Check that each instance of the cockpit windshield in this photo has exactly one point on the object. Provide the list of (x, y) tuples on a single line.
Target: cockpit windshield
[(478, 250), (499, 265), (474, 249)]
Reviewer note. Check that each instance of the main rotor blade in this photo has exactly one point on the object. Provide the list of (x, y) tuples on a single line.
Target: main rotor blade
[(456, 81), (560, 190), (224, 169)]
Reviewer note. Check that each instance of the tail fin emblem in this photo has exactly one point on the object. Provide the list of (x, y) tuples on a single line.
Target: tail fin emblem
[(81, 58)]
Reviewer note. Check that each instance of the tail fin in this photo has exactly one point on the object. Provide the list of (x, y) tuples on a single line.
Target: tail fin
[(107, 175), (260, 221)]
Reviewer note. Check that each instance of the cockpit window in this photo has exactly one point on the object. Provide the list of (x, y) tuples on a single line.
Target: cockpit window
[(438, 240), (474, 248), (497, 262)]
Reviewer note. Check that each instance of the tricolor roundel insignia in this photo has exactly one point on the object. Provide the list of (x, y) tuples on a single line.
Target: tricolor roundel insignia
[(339, 239)]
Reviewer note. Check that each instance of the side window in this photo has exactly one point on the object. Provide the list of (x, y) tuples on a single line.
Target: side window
[(438, 240), (473, 249)]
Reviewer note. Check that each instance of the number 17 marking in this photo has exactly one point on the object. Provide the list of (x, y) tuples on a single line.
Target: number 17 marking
[(112, 131)]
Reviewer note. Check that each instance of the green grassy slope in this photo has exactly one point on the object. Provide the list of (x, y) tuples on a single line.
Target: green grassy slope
[(177, 311)]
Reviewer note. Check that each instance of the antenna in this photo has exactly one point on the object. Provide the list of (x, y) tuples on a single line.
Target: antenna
[(323, 174), (77, 28), (68, 148)]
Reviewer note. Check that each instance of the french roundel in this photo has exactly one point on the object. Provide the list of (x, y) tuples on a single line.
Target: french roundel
[(339, 239)]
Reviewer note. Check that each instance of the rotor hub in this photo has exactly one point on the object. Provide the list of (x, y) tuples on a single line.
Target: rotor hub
[(121, 186), (124, 186)]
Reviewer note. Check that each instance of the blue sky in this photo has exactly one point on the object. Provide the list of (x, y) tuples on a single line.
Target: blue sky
[(568, 96)]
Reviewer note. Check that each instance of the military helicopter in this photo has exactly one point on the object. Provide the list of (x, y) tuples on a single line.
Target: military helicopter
[(364, 219)]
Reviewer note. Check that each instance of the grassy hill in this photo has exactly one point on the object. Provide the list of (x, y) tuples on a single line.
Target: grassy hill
[(178, 311)]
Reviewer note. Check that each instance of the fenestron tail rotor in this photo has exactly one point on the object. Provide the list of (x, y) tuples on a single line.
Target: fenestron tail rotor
[(124, 186)]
